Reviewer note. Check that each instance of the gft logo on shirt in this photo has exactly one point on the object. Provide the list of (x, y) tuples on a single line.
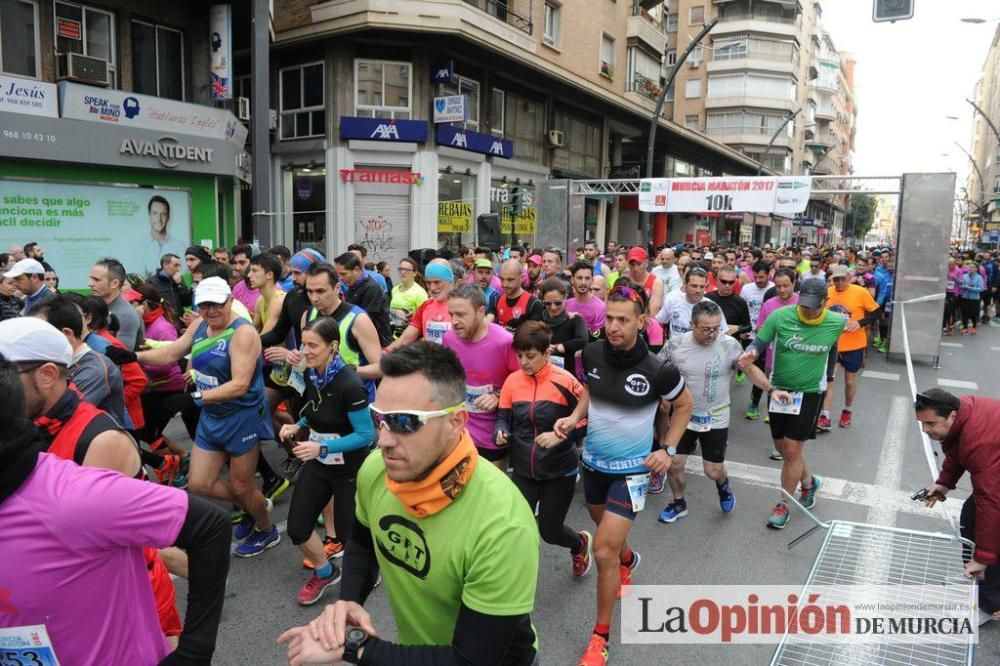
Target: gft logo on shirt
[(402, 542), (636, 384)]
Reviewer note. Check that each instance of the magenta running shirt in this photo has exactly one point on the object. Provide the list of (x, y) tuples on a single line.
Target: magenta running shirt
[(770, 305), (71, 559), (487, 364), (592, 312)]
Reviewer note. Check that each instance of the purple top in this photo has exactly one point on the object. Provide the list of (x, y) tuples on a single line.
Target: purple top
[(163, 377), (955, 281), (245, 295), (770, 305), (592, 312)]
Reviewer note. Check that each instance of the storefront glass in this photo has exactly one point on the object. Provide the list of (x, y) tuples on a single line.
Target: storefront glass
[(514, 201), (456, 208), (308, 208)]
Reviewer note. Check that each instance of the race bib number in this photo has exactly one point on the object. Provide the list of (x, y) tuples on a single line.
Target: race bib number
[(951, 284), (204, 382), (700, 422), (324, 440), (558, 361), (793, 406), (27, 646), (297, 381), (472, 393), (638, 484), (436, 330)]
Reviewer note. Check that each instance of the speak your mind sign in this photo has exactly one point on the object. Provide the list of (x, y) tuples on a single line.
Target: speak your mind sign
[(79, 224), (780, 195)]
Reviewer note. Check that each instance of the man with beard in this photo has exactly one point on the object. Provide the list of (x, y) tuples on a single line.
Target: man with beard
[(515, 305)]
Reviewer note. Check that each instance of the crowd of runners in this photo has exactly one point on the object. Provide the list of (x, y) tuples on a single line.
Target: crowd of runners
[(416, 411)]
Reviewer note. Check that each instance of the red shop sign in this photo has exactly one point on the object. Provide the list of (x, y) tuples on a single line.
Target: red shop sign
[(376, 176)]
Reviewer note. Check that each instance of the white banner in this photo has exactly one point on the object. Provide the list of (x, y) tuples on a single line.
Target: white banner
[(125, 109), (450, 109), (653, 195), (37, 98), (220, 28), (78, 224), (726, 194)]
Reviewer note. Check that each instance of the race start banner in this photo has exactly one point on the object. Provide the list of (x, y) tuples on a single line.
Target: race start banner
[(784, 195)]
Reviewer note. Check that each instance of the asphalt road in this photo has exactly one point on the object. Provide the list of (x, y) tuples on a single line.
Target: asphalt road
[(870, 470)]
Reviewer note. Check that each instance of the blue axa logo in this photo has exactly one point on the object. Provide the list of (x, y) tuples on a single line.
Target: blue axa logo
[(131, 107)]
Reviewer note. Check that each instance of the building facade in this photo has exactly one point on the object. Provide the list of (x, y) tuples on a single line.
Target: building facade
[(551, 90), (981, 220), (110, 143), (766, 61)]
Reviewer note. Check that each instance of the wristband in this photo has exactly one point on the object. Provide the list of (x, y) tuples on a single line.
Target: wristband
[(323, 451)]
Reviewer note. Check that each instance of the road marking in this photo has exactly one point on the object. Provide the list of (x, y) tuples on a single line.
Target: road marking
[(952, 344), (890, 461), (874, 374), (839, 490), (958, 383)]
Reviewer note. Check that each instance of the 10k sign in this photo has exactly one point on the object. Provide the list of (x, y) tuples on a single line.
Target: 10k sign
[(450, 109)]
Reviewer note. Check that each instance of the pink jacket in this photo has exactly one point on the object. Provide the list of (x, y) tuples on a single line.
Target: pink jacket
[(163, 377)]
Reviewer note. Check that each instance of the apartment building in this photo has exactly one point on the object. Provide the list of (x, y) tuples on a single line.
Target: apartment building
[(764, 61), (108, 119), (552, 90), (982, 221)]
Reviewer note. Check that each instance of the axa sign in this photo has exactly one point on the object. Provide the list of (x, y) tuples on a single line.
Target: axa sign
[(166, 150), (383, 129), (477, 142)]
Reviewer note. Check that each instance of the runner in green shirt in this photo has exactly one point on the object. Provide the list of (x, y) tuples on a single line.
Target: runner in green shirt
[(452, 536), (805, 350)]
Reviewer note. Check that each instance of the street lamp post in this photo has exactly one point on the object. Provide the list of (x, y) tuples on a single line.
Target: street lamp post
[(770, 144), (655, 120)]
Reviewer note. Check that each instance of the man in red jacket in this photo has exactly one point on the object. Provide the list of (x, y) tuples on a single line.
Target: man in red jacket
[(969, 431)]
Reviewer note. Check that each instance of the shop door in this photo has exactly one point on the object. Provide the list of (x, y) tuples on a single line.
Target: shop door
[(382, 224)]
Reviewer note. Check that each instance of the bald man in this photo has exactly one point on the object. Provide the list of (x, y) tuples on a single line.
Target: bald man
[(599, 287), (667, 272), (515, 305)]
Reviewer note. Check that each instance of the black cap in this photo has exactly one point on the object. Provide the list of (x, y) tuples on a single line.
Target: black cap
[(812, 293)]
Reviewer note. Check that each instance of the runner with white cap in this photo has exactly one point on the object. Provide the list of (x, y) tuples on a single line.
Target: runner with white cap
[(226, 363), (29, 278)]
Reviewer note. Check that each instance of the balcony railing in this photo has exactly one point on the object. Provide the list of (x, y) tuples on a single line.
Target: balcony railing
[(645, 86), (734, 14), (516, 13)]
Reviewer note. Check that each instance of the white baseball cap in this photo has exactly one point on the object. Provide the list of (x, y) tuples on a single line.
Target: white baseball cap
[(25, 267), (212, 290), (30, 339), (709, 256)]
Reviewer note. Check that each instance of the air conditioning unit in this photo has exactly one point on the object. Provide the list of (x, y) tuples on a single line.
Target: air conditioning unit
[(243, 108), (85, 69), (556, 138), (693, 63)]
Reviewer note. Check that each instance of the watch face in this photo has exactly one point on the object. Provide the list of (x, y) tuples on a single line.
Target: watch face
[(356, 635)]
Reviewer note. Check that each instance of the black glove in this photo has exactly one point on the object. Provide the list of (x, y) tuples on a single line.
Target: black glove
[(120, 356)]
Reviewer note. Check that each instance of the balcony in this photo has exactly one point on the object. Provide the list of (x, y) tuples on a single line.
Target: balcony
[(826, 55), (644, 86), (825, 85), (747, 136), (757, 21), (516, 13), (755, 62), (643, 28), (756, 102), (826, 111)]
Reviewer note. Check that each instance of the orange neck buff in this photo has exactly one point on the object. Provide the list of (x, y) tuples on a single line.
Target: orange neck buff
[(439, 488)]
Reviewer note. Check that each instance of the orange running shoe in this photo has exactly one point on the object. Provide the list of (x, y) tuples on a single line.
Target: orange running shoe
[(332, 548), (626, 575), (596, 653)]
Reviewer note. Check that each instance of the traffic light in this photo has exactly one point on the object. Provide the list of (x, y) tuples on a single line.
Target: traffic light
[(892, 10)]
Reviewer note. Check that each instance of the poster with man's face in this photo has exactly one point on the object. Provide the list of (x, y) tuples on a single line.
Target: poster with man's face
[(80, 224)]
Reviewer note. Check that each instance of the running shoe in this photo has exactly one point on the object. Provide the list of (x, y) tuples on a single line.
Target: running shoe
[(274, 490), (655, 483), (314, 588), (946, 331), (246, 524), (845, 419), (673, 511), (626, 575), (236, 515), (753, 413), (583, 560), (776, 455), (808, 495), (823, 424), (973, 330), (727, 501), (965, 331), (740, 377), (596, 653), (257, 542), (333, 548), (168, 470), (779, 517)]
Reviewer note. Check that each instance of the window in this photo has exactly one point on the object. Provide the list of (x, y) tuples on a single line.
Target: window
[(745, 122), (497, 112), (607, 55), (644, 73), (692, 88), (752, 85), (19, 38), (697, 55), (303, 112), (85, 30), (382, 89), (671, 22), (692, 123), (583, 143), (997, 156), (525, 124), (696, 16), (730, 50), (157, 60), (469, 88), (550, 33), (671, 57), (996, 185), (669, 97)]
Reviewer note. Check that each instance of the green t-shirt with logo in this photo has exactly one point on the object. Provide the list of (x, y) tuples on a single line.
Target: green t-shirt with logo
[(481, 550), (801, 350)]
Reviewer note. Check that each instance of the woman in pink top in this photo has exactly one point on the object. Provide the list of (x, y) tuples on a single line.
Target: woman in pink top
[(953, 291), (784, 284)]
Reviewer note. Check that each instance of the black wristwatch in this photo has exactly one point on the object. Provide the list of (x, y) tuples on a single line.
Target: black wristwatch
[(356, 639)]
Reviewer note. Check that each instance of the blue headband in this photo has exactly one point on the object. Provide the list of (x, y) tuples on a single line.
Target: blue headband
[(301, 261), (439, 272)]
